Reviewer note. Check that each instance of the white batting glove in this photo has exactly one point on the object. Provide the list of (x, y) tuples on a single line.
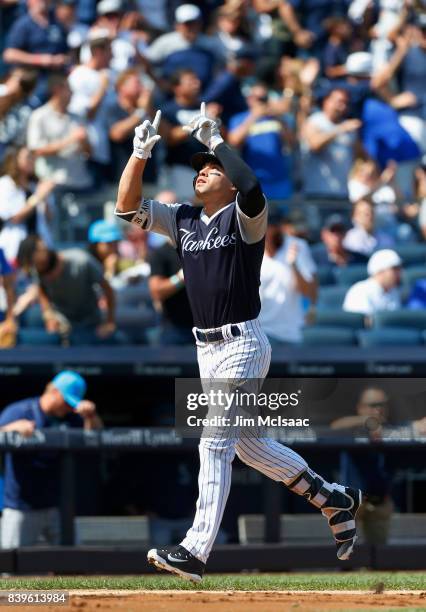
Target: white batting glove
[(204, 129), (146, 136)]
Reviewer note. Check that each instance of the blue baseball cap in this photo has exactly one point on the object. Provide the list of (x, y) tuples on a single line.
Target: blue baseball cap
[(104, 231), (71, 385)]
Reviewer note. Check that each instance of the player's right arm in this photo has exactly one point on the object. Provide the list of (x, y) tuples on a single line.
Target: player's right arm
[(130, 186), (131, 206)]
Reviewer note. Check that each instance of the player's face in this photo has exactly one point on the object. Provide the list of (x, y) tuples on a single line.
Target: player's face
[(212, 179)]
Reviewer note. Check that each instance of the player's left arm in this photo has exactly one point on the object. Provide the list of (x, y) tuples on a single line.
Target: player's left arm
[(252, 210), (251, 203)]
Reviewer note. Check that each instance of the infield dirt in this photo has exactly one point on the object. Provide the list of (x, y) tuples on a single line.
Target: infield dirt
[(237, 601)]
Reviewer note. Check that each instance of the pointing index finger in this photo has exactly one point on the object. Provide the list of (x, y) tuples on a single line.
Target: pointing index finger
[(157, 120), (203, 108)]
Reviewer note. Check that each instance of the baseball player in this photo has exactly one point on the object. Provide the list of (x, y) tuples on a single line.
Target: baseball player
[(221, 248)]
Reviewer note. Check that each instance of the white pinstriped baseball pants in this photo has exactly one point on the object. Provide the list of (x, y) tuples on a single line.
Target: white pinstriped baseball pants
[(234, 359)]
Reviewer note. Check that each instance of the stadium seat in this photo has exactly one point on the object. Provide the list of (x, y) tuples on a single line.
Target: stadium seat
[(336, 318), (414, 319), (334, 336), (349, 275), (312, 530), (412, 254), (295, 529), (331, 297), (386, 336), (35, 336), (411, 275), (112, 530), (325, 276)]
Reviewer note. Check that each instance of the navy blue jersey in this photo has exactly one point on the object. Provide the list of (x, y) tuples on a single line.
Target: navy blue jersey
[(221, 257), (32, 480)]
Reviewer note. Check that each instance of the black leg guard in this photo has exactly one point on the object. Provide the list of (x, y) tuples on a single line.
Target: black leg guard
[(338, 504)]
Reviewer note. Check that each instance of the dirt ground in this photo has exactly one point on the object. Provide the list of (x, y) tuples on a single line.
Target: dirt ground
[(235, 601)]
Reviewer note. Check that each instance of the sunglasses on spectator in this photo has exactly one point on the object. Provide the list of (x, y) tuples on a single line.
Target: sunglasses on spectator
[(377, 404)]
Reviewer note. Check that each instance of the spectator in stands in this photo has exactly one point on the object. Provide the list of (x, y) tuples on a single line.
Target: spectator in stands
[(336, 50), (76, 31), (104, 237), (32, 481), (90, 83), (186, 47), (130, 107), (384, 137), (305, 19), (232, 28), (368, 469), (111, 17), (334, 254), (68, 282), (135, 245), (417, 298), (16, 106), (329, 143), (180, 146), (133, 38), (381, 290), (37, 40), (24, 203), (226, 89), (128, 278), (420, 192), (167, 287), (287, 275), (291, 93), (382, 188), (408, 64), (262, 136), (363, 237), (58, 139), (7, 319)]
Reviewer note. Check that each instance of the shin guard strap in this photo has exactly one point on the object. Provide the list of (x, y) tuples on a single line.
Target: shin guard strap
[(313, 487)]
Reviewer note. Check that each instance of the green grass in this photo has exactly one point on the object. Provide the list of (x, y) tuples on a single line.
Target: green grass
[(234, 582)]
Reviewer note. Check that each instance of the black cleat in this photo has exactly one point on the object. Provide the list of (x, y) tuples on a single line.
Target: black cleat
[(340, 511), (177, 560)]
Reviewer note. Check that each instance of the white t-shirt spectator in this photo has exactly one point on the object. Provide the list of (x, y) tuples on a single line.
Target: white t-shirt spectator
[(85, 82), (384, 199), (325, 173), (68, 167), (369, 297), (281, 316), (359, 240), (12, 201)]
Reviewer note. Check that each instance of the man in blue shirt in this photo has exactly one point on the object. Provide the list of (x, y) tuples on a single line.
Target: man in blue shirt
[(226, 88), (32, 480), (262, 137), (38, 41)]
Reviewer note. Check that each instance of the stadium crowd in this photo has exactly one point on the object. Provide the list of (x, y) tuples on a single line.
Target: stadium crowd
[(326, 101)]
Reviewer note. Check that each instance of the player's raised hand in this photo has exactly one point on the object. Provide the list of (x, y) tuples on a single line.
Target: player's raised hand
[(204, 128), (146, 135)]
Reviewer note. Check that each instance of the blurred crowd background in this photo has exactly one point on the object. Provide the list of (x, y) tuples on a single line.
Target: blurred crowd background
[(325, 100)]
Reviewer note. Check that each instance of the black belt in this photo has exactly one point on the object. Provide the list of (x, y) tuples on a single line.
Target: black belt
[(216, 334)]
